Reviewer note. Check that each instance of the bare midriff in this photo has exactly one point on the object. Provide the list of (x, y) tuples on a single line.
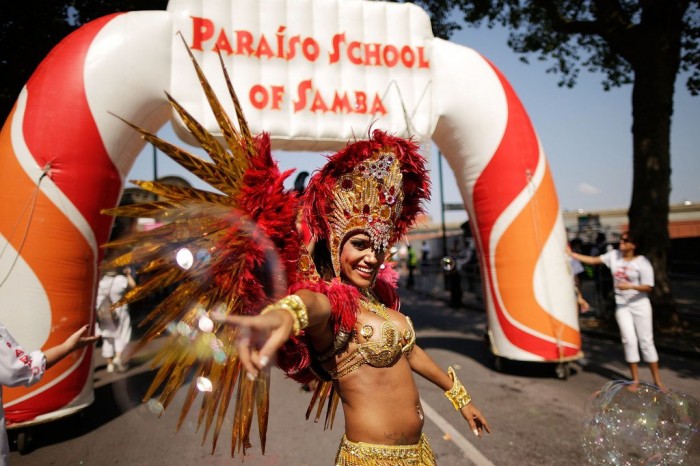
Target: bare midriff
[(381, 405)]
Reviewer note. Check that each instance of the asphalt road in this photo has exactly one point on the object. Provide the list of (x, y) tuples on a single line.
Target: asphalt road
[(536, 418)]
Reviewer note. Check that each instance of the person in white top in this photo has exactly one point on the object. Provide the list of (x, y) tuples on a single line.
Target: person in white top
[(117, 333), (18, 367), (633, 278)]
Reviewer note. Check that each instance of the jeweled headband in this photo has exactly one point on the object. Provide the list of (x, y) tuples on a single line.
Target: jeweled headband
[(375, 186)]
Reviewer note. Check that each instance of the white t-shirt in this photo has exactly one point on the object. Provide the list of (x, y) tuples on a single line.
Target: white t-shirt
[(114, 285), (637, 271)]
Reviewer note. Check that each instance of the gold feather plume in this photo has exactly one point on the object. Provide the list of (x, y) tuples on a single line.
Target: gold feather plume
[(225, 238)]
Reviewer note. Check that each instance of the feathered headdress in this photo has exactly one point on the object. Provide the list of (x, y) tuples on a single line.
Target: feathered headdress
[(376, 186), (233, 251)]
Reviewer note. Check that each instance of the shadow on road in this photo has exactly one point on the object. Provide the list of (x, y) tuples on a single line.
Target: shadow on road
[(120, 394)]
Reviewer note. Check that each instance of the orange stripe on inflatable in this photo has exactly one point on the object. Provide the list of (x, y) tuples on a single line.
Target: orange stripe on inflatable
[(532, 227), (61, 259)]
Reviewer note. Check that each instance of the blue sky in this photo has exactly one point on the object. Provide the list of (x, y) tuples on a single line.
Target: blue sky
[(585, 132)]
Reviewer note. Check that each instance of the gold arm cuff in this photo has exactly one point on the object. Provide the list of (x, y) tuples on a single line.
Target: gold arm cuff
[(296, 308), (457, 395)]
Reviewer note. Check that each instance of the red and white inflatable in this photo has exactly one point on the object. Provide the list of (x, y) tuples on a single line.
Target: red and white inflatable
[(313, 73)]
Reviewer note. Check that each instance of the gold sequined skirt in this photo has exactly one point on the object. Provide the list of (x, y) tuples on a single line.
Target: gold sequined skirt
[(366, 454)]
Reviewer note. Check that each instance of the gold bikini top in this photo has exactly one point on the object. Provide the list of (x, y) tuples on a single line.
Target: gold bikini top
[(381, 353)]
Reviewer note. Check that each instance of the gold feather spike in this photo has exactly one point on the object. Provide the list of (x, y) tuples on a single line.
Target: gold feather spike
[(262, 404), (206, 171), (155, 210), (242, 123), (218, 153), (332, 406), (211, 401), (192, 392), (327, 387), (229, 132), (229, 382), (183, 193), (320, 386), (243, 416), (231, 162)]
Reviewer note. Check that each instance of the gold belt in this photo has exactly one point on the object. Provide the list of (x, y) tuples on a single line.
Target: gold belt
[(366, 454)]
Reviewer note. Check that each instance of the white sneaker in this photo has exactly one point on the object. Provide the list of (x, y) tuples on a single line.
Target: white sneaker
[(110, 367), (118, 364)]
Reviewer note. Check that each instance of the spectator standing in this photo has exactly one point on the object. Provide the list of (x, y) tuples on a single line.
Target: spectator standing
[(412, 263), (116, 333), (633, 278), (425, 252)]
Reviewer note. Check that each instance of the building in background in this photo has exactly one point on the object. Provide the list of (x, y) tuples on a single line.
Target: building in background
[(683, 228)]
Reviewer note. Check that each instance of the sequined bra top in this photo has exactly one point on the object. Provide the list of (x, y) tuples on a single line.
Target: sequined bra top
[(377, 353)]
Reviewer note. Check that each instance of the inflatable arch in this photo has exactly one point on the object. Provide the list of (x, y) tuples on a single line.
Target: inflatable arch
[(313, 73)]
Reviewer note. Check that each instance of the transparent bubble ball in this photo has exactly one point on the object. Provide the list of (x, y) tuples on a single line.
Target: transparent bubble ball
[(448, 264), (638, 424)]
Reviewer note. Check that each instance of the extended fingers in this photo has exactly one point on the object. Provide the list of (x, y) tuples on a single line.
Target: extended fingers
[(248, 343), (259, 337), (273, 343), (477, 422), (243, 346), (483, 423), (221, 318), (91, 339), (473, 425), (81, 331)]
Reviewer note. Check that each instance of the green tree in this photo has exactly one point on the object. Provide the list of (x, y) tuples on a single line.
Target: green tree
[(31, 28), (646, 43)]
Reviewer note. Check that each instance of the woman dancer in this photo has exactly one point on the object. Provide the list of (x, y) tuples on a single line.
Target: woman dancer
[(358, 205)]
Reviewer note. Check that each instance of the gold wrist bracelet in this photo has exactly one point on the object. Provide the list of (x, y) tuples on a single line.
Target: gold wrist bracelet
[(296, 308), (457, 395)]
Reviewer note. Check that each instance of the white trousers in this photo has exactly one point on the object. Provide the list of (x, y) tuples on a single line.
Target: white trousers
[(637, 330)]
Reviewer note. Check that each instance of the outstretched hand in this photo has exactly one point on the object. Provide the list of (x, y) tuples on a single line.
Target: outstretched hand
[(259, 337), (77, 340), (74, 342), (476, 420)]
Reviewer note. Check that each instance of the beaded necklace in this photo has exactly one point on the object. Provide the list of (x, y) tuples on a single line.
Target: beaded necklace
[(373, 305)]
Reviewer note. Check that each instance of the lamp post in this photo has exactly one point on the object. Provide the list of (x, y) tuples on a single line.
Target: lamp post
[(442, 221), (442, 206), (155, 163)]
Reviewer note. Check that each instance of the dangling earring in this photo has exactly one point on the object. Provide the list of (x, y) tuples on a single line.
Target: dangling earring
[(374, 278)]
